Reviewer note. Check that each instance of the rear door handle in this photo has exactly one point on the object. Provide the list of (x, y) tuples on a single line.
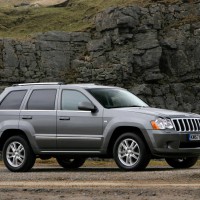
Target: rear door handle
[(27, 117), (64, 118)]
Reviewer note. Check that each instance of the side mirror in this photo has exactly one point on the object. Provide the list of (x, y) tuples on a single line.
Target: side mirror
[(87, 106)]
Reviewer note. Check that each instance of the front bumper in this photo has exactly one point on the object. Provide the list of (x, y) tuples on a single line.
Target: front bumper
[(173, 144)]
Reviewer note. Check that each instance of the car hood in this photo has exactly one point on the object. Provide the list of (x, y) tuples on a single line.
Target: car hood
[(161, 112)]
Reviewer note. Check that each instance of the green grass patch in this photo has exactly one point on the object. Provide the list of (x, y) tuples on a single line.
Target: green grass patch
[(24, 22), (78, 16)]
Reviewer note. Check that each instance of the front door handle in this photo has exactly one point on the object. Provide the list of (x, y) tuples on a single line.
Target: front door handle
[(27, 117), (64, 118)]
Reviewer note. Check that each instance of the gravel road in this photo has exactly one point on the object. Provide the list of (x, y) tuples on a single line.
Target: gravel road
[(98, 183)]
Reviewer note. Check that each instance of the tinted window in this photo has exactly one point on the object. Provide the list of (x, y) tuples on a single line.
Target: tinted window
[(42, 100), (71, 99), (13, 100), (116, 98)]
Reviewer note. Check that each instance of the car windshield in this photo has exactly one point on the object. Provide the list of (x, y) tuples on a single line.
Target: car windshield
[(116, 98)]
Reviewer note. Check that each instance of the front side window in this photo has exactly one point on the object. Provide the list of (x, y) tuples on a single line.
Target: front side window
[(42, 100), (13, 100), (116, 98), (71, 99)]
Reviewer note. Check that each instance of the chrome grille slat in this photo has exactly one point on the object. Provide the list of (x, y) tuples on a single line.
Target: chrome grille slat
[(186, 124), (198, 125), (193, 125), (179, 125), (197, 128)]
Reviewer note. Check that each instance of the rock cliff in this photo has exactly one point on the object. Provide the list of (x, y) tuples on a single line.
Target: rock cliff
[(153, 51)]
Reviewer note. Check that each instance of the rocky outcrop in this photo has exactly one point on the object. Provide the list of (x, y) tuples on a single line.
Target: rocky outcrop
[(60, 4), (152, 51)]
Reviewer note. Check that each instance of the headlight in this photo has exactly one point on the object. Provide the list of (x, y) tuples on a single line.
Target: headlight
[(162, 123)]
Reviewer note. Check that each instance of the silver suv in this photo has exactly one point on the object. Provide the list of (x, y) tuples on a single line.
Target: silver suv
[(74, 122)]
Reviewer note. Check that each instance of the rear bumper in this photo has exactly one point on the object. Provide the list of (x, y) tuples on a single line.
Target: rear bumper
[(173, 144)]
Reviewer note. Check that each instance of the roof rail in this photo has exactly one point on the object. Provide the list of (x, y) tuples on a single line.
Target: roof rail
[(44, 83)]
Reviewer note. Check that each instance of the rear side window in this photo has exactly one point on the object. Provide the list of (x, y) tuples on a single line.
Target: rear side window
[(42, 100), (13, 100)]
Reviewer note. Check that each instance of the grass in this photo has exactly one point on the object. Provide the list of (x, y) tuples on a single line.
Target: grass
[(77, 16)]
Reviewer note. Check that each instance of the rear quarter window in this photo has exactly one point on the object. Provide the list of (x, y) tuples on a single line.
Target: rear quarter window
[(13, 100)]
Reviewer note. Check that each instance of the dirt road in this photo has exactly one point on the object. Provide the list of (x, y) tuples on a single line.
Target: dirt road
[(97, 183)]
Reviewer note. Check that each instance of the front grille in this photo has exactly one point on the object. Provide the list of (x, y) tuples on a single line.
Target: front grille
[(186, 124)]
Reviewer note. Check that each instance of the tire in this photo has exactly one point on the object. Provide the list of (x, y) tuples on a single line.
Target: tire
[(180, 163), (70, 163), (130, 152), (17, 154)]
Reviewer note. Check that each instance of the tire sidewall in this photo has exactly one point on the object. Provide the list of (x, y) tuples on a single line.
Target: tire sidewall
[(187, 163), (76, 163), (140, 162), (25, 164)]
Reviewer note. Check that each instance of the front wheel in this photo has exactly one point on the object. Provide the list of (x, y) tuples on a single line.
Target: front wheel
[(130, 152), (70, 163), (17, 154), (180, 163)]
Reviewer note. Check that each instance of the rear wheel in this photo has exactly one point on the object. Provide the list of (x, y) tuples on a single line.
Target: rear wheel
[(17, 154), (180, 163), (70, 163), (130, 152)]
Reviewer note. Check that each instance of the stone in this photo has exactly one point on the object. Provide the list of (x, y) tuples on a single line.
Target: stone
[(55, 36), (126, 21), (60, 4), (99, 62), (22, 4), (80, 37), (81, 65), (99, 45), (153, 75), (133, 11), (142, 89), (151, 58), (114, 18), (153, 51), (56, 60), (170, 42), (10, 58), (171, 102), (159, 102), (146, 40), (104, 21)]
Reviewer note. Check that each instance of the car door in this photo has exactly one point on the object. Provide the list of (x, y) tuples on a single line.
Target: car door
[(77, 130), (39, 116), (10, 108)]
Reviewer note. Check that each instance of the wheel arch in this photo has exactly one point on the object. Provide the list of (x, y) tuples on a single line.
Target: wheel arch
[(12, 132), (121, 130)]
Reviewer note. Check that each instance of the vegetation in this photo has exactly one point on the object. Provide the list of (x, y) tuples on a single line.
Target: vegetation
[(24, 22)]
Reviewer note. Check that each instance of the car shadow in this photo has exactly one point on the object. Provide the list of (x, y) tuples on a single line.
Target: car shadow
[(97, 169)]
